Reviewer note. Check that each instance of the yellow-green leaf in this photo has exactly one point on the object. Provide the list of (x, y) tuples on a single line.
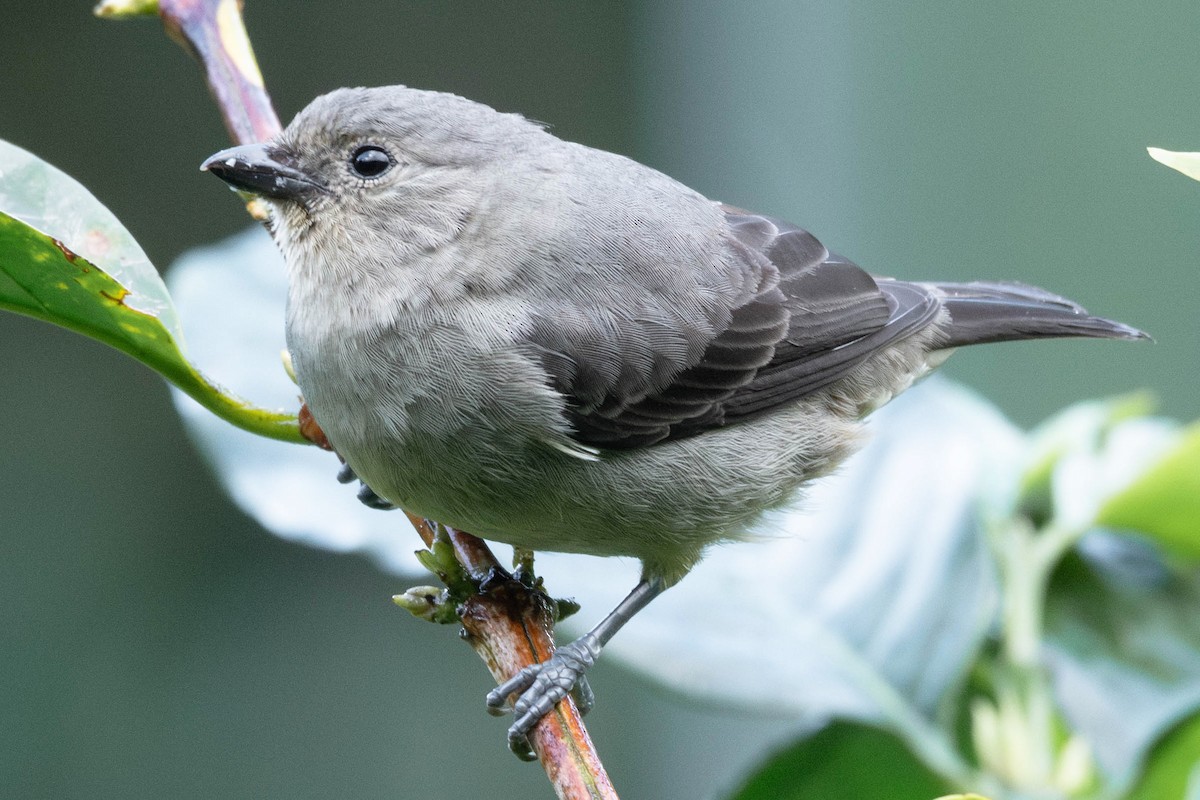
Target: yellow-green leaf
[(1172, 772), (1164, 501)]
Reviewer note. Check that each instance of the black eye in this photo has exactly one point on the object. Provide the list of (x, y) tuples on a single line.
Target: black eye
[(370, 161)]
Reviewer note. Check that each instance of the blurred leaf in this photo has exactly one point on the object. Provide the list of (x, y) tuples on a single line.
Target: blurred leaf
[(1083, 453), (872, 596), (1164, 502), (1187, 163), (840, 608), (1050, 441), (1172, 771), (121, 9), (844, 760), (1123, 644), (65, 259)]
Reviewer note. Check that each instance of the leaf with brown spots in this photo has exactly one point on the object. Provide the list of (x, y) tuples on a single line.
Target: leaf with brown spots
[(65, 259)]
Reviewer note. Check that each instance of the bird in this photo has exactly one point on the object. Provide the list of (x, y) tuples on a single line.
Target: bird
[(562, 349)]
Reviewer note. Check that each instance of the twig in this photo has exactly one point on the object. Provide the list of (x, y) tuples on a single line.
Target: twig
[(510, 626)]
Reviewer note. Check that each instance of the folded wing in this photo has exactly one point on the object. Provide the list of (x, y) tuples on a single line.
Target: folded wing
[(801, 320)]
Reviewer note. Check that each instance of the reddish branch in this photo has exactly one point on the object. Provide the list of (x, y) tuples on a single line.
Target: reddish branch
[(510, 626), (213, 32)]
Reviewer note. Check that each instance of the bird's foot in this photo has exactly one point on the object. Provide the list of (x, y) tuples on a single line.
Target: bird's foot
[(366, 495), (541, 686)]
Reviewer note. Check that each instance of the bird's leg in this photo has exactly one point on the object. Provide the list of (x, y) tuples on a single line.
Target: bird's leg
[(541, 686)]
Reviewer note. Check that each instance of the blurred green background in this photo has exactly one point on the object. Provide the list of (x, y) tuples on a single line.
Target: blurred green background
[(155, 643)]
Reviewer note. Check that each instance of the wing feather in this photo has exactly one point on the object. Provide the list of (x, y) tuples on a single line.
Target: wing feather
[(807, 318)]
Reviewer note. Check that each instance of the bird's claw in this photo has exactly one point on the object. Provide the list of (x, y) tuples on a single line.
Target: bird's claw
[(366, 495), (541, 687)]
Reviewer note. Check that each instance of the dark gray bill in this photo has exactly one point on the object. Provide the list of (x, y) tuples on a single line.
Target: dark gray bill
[(262, 169)]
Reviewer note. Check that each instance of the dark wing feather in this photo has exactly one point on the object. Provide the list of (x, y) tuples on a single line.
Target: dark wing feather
[(805, 320)]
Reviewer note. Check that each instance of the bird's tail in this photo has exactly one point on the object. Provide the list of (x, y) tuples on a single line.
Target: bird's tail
[(1003, 312)]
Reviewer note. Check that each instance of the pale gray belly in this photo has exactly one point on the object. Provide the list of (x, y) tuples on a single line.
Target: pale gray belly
[(456, 431)]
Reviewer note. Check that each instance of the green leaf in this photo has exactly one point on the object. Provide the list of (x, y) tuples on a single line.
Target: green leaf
[(1164, 502), (65, 259), (1173, 770), (844, 759), (1123, 644), (1187, 163)]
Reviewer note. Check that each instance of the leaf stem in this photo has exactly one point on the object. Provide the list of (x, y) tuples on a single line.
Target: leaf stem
[(1020, 741), (271, 424)]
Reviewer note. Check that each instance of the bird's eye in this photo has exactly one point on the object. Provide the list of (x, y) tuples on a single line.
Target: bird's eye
[(370, 161)]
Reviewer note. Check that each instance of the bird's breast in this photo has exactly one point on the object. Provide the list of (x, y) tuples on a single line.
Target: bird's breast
[(426, 407)]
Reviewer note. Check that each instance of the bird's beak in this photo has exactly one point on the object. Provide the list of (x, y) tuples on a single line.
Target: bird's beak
[(263, 169)]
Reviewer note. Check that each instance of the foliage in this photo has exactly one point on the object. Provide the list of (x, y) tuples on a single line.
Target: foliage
[(64, 258), (844, 760), (1070, 601)]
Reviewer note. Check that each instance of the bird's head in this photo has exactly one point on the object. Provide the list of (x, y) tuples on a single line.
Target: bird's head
[(403, 164)]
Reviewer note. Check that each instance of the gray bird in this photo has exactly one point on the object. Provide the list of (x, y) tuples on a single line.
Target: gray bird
[(562, 349)]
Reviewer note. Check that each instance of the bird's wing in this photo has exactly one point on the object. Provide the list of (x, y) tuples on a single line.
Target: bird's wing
[(788, 318)]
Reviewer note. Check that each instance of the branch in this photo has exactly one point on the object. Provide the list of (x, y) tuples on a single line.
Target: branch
[(213, 33), (510, 625)]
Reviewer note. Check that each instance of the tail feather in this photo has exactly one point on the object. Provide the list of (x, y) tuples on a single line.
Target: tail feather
[(1003, 312)]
